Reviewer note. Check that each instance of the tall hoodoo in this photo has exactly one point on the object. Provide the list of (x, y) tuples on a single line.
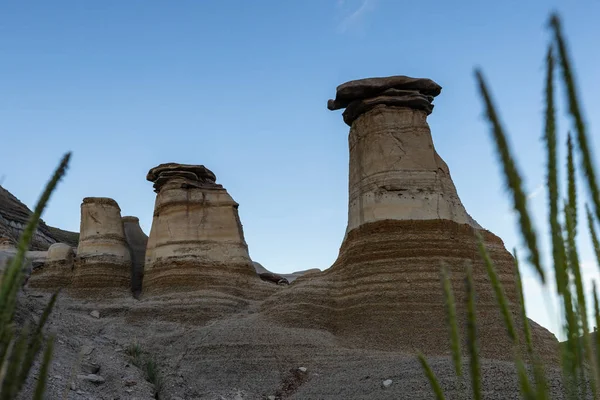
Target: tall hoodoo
[(405, 221), (395, 172), (196, 239), (103, 260)]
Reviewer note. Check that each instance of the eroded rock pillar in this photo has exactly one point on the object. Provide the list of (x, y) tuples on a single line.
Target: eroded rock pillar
[(395, 172), (103, 260), (196, 240)]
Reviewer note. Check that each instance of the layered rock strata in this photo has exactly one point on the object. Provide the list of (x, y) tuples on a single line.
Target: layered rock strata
[(405, 221), (137, 241), (57, 269), (13, 219), (196, 240), (103, 259)]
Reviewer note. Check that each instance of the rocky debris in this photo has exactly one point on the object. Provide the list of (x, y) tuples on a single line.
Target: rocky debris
[(90, 367), (196, 240), (182, 175), (57, 269), (92, 378), (137, 241), (302, 369), (103, 261), (14, 216), (362, 95), (387, 383), (95, 314)]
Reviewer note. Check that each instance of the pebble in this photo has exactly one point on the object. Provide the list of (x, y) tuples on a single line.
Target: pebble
[(271, 397), (73, 386), (387, 383), (95, 314), (302, 369), (90, 368), (92, 378)]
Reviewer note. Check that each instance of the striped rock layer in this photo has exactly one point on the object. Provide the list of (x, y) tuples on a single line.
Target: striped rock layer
[(56, 271), (196, 240), (103, 261)]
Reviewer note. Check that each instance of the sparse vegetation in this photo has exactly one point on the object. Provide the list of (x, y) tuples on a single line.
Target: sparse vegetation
[(147, 364), (19, 348), (579, 360)]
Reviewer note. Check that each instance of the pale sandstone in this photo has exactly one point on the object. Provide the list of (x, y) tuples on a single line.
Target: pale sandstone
[(57, 270), (196, 240), (103, 261)]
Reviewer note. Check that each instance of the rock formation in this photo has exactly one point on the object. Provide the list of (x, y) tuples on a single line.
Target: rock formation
[(285, 279), (103, 259), (57, 269), (196, 240), (405, 220), (136, 242), (13, 218)]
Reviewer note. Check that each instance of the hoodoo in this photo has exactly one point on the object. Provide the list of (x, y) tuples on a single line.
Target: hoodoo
[(405, 220), (196, 240), (103, 260)]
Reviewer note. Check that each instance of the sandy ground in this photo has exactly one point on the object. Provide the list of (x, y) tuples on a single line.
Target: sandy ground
[(239, 356)]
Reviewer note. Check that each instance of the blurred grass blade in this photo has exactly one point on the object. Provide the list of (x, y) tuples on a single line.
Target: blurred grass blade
[(452, 323), (572, 184), (498, 291), (575, 111), (472, 341), (558, 251), (9, 388), (597, 317), (526, 389), (433, 381), (519, 285), (43, 375), (593, 235), (35, 342), (513, 178)]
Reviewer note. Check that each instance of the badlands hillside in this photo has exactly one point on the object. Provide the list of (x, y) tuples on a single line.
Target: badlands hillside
[(184, 313)]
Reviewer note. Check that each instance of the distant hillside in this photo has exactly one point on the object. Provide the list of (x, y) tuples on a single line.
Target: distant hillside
[(13, 218)]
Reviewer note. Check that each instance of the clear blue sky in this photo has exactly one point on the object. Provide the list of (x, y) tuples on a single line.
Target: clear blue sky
[(241, 87)]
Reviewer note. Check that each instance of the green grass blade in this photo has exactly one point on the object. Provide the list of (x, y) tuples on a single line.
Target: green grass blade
[(473, 345), (576, 114), (597, 332), (519, 285), (526, 390), (10, 385), (452, 323), (35, 342), (558, 251), (593, 235), (498, 291), (513, 178), (572, 183), (40, 388), (433, 381), (13, 274)]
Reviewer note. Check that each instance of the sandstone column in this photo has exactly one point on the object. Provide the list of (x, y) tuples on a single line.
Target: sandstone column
[(196, 240), (103, 260), (395, 172)]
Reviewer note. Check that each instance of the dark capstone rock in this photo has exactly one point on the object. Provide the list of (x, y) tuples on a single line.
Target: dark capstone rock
[(413, 100), (184, 175), (360, 89)]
